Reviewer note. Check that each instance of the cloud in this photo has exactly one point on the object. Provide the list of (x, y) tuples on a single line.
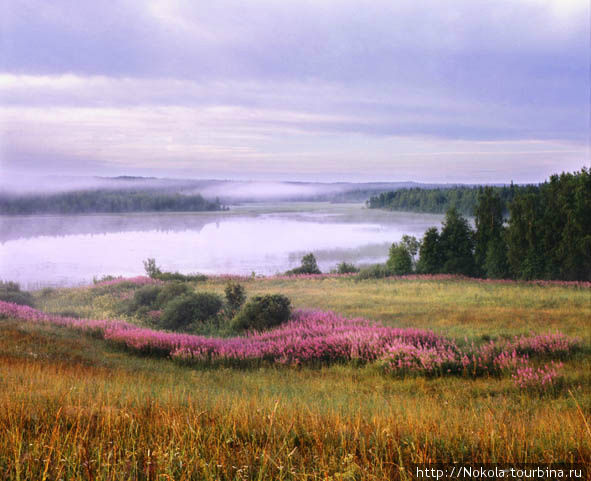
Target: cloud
[(282, 86), (235, 142)]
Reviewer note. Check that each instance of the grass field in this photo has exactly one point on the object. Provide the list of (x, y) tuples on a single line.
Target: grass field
[(73, 406)]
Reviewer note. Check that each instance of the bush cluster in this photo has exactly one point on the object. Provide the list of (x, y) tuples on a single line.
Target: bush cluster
[(189, 308), (175, 306), (262, 312)]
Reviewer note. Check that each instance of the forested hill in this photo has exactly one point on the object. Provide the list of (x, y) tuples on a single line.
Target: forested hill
[(103, 201), (440, 200), (545, 235)]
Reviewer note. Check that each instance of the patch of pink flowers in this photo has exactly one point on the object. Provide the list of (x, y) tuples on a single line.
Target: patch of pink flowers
[(29, 314), (549, 344), (510, 361), (310, 336), (325, 337), (528, 377), (440, 359)]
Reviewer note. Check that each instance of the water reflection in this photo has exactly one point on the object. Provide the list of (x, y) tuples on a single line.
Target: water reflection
[(25, 227), (267, 239)]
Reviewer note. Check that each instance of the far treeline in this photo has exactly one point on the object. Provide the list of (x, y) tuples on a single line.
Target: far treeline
[(438, 201), (547, 235), (104, 201)]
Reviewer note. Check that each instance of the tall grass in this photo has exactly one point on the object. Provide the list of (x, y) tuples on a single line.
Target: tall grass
[(73, 406), (66, 417)]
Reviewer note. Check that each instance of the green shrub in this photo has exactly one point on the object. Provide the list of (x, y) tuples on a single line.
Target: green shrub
[(169, 291), (346, 268), (399, 260), (184, 310), (146, 296), (11, 292), (126, 307), (263, 312), (235, 295)]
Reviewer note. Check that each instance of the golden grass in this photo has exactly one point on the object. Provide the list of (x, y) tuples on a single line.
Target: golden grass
[(104, 414), (74, 407)]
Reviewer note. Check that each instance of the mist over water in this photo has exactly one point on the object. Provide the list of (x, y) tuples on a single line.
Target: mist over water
[(39, 251)]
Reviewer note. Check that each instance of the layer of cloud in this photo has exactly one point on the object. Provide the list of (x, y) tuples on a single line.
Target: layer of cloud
[(456, 91)]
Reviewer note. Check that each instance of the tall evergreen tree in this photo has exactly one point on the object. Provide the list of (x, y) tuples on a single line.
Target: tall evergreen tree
[(495, 264), (430, 254), (399, 260), (566, 224), (457, 245), (525, 253), (489, 231)]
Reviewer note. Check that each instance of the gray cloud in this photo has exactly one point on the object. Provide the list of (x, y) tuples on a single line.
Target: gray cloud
[(248, 85)]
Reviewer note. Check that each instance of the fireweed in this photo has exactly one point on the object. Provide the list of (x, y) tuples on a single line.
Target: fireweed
[(314, 337), (25, 313), (541, 378)]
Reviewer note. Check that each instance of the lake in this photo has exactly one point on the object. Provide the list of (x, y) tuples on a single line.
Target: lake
[(60, 250)]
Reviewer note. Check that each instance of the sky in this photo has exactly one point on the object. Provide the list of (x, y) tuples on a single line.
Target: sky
[(318, 90)]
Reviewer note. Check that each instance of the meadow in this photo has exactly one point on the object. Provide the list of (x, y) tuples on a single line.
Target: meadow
[(74, 405)]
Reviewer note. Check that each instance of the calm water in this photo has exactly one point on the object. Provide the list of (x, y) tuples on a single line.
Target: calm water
[(39, 251)]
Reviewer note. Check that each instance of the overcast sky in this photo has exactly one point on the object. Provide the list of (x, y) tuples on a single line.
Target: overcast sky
[(425, 90)]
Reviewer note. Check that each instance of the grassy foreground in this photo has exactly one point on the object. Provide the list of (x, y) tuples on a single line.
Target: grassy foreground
[(75, 407)]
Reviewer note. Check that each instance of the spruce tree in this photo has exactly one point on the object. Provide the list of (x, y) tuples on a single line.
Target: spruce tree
[(489, 231), (430, 255), (457, 245)]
